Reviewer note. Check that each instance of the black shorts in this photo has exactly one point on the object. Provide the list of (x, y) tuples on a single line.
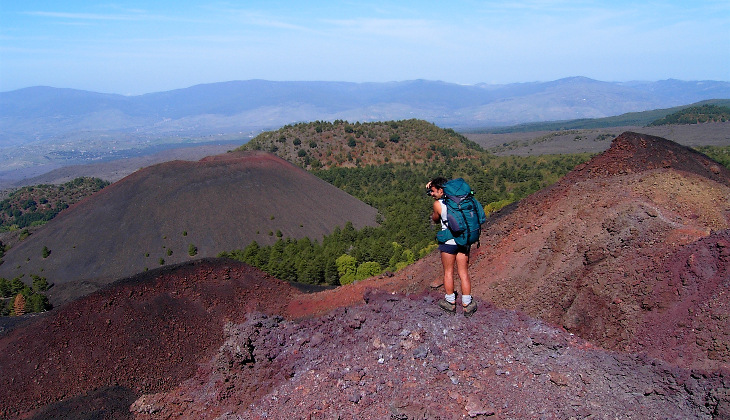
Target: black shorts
[(455, 249)]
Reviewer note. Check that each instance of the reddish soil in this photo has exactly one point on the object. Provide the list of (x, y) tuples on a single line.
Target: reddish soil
[(603, 296), (608, 252), (143, 334)]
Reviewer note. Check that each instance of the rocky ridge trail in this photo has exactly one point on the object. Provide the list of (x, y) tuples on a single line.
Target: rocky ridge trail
[(401, 357)]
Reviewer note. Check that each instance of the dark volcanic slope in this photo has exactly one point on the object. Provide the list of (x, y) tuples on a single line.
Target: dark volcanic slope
[(218, 204)]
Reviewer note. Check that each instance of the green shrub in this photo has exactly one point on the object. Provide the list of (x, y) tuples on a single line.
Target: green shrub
[(368, 269)]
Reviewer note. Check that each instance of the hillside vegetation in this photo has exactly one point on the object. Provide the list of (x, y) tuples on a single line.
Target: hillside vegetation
[(388, 170), (17, 298), (28, 207), (717, 153), (322, 145), (38, 204), (638, 119), (696, 115)]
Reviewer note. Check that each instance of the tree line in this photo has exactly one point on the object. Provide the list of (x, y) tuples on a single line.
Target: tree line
[(720, 154), (696, 115), (405, 233), (19, 298), (37, 204)]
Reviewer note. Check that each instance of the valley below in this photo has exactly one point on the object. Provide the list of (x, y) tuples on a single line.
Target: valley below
[(597, 140)]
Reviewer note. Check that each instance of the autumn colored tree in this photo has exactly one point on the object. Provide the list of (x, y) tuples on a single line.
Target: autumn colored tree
[(19, 305)]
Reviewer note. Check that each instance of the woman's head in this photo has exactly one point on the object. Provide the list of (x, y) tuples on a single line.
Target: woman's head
[(435, 188), (438, 182)]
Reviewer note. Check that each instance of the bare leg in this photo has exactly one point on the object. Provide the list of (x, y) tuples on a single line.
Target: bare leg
[(462, 266), (447, 260)]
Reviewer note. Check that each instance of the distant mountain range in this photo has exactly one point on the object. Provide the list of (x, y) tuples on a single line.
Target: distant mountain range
[(56, 127)]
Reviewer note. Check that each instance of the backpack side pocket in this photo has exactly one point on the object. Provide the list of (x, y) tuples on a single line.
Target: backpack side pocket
[(444, 235)]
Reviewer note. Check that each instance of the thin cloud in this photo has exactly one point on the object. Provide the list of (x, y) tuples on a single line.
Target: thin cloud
[(85, 16), (397, 28), (254, 18), (136, 16)]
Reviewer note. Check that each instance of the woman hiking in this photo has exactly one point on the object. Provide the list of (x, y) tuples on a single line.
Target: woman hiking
[(451, 255)]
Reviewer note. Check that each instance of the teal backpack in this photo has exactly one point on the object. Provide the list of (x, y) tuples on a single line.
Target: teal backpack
[(464, 214)]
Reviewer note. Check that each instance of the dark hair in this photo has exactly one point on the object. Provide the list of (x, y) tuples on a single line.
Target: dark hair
[(439, 182)]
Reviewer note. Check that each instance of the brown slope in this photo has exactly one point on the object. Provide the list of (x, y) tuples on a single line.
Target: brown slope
[(602, 252), (142, 334), (218, 204)]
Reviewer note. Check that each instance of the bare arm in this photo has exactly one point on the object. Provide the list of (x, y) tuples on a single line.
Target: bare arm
[(436, 215)]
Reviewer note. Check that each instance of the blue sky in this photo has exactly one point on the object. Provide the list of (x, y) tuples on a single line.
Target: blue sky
[(135, 47)]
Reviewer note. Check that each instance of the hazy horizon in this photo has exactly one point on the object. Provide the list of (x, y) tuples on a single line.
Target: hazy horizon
[(135, 47), (366, 82)]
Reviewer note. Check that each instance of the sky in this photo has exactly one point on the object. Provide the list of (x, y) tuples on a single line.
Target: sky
[(137, 47)]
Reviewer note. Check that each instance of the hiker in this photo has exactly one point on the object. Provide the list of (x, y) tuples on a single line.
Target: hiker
[(451, 254)]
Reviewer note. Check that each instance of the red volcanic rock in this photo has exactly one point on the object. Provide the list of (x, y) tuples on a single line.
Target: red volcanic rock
[(687, 320), (597, 252), (634, 153), (142, 334), (402, 357)]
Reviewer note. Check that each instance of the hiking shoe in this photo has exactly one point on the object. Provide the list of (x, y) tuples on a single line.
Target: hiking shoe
[(470, 308), (447, 306)]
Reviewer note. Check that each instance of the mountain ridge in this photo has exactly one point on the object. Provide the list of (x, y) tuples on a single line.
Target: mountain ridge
[(58, 126), (233, 97)]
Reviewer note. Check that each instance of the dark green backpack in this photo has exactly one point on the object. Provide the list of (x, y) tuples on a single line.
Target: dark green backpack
[(464, 214)]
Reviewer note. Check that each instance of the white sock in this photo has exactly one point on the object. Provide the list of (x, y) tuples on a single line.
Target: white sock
[(465, 299), (450, 298)]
